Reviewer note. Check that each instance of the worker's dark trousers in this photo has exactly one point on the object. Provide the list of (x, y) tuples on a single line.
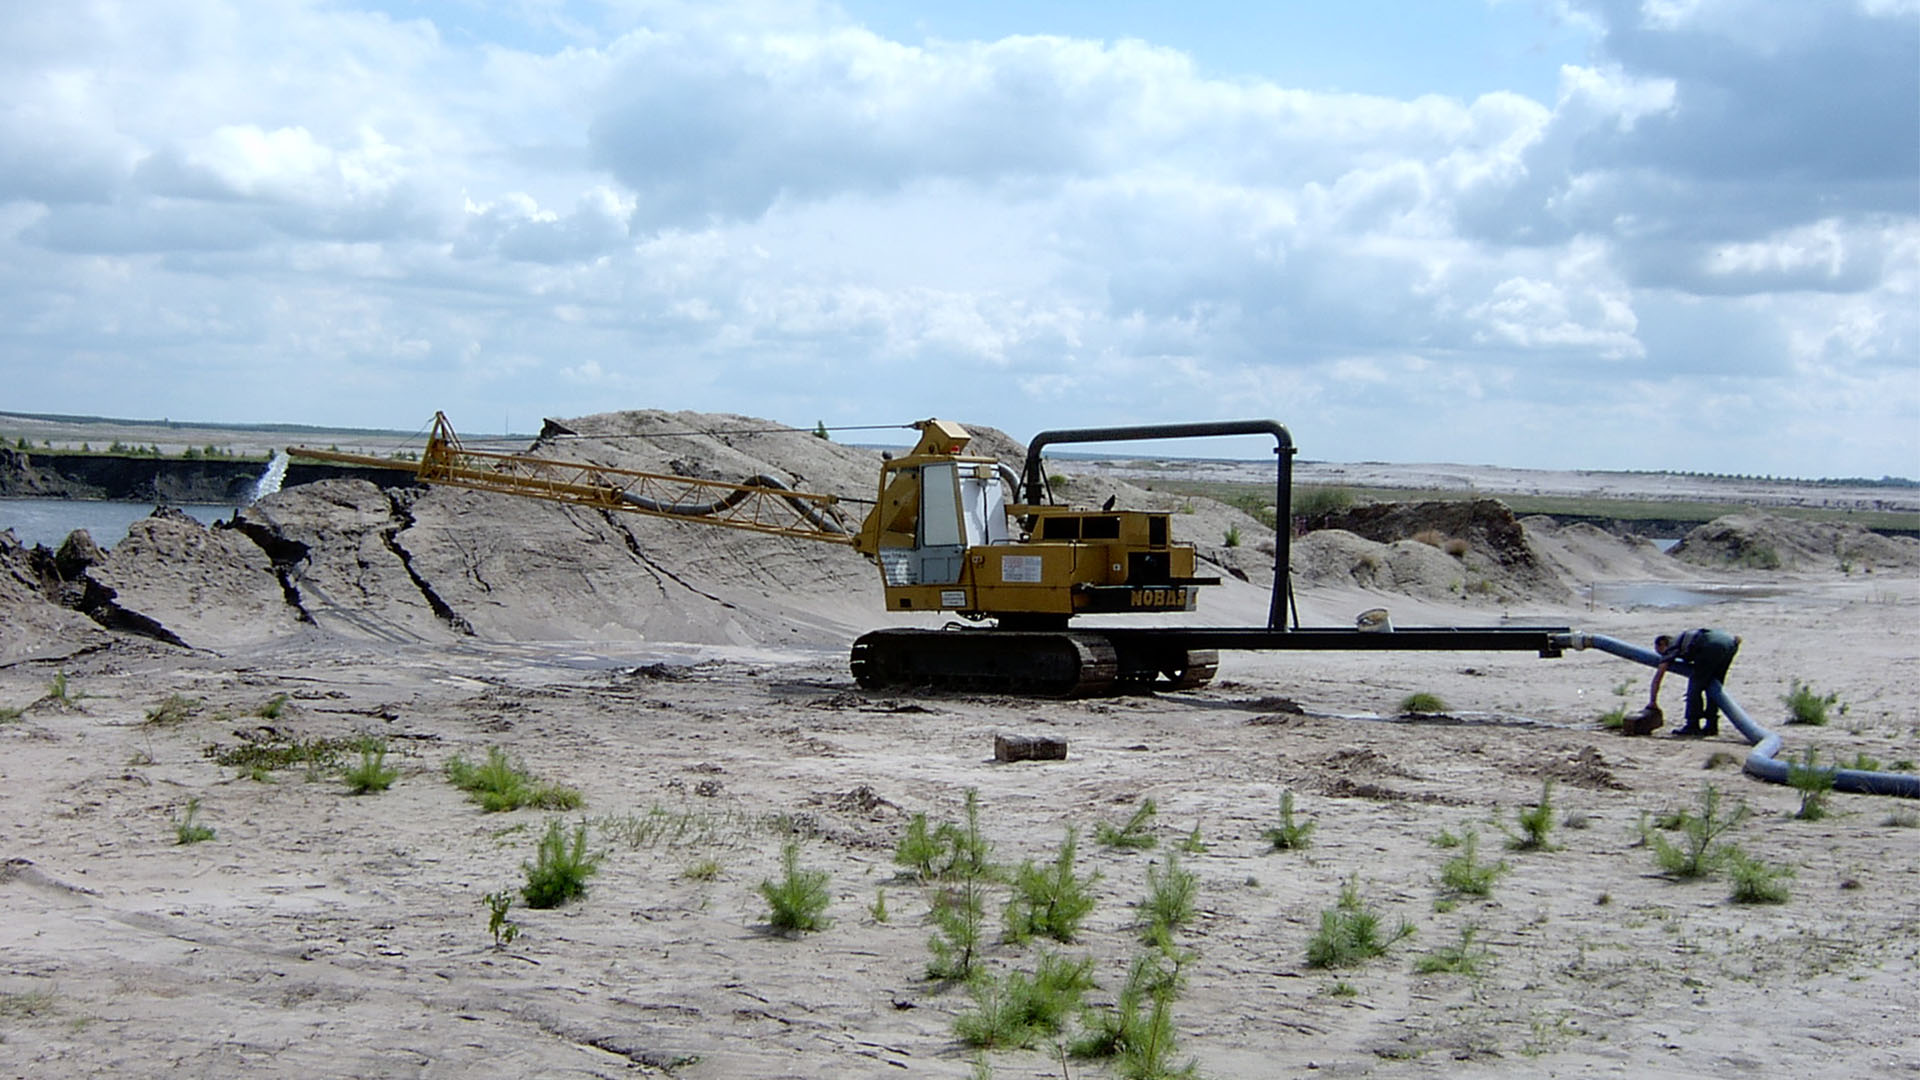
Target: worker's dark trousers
[(1711, 656)]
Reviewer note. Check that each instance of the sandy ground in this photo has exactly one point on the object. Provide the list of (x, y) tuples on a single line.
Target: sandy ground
[(328, 934)]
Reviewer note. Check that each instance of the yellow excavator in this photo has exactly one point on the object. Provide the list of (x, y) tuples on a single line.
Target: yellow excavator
[(957, 532)]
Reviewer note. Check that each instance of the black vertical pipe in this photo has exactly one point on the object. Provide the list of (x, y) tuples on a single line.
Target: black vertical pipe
[(1035, 481)]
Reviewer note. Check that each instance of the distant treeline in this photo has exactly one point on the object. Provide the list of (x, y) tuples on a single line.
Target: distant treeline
[(175, 425), (1754, 478)]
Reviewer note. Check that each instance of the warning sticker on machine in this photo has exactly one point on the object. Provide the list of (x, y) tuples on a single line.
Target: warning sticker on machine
[(1020, 569), (953, 598)]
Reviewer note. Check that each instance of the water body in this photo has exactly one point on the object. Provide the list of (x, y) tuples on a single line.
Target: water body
[(48, 521), (1664, 594)]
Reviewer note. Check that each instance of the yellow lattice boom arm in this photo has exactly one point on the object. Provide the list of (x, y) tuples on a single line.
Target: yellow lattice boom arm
[(761, 504)]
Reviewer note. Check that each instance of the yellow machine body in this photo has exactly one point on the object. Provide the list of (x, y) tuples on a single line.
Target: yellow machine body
[(943, 531)]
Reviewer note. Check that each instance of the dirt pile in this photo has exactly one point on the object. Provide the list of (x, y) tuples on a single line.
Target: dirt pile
[(1768, 542), (1580, 552), (1472, 550), (33, 625)]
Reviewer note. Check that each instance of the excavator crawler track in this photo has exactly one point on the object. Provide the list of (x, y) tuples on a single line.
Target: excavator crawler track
[(1038, 663), (1042, 663)]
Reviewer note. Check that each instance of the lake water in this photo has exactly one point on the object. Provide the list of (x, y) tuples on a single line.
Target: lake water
[(1664, 594), (48, 521)]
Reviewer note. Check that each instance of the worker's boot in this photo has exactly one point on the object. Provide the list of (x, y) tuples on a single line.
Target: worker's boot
[(1712, 729), (1690, 731)]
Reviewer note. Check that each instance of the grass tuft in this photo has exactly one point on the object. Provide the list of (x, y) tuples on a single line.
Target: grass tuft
[(1700, 851), (1814, 782), (1050, 902), (1132, 835), (371, 775), (176, 709), (1350, 932), (1289, 835), (798, 901), (1805, 706), (500, 784), (1536, 823), (1421, 703), (1169, 902), (1757, 882), (1465, 874), (1461, 958), (1021, 1009), (186, 830), (1137, 1032), (560, 868)]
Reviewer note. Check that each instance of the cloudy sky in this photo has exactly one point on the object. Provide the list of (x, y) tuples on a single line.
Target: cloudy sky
[(1606, 233)]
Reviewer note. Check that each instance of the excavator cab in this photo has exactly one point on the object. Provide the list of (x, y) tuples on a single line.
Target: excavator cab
[(947, 538)]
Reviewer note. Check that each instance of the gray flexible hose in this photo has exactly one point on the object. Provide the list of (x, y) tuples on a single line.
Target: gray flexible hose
[(1762, 761)]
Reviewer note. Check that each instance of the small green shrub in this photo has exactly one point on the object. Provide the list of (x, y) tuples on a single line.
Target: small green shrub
[(1193, 843), (919, 850), (60, 691), (878, 909), (1232, 538), (1814, 782), (500, 784), (174, 710), (705, 868), (503, 929), (1050, 902), (1020, 1009), (1137, 1033), (186, 830), (958, 914), (1756, 882), (560, 868), (1350, 932), (1421, 703), (1446, 839), (1312, 502), (949, 850), (1863, 762), (1805, 706), (1536, 823), (11, 715), (1289, 835), (371, 775), (1700, 850), (1134, 834), (1169, 902), (1465, 874), (274, 706), (1461, 958), (798, 901)]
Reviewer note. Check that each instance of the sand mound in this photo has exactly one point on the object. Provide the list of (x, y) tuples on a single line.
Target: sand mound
[(1767, 541), (32, 625), (207, 588), (1583, 553), (1473, 550)]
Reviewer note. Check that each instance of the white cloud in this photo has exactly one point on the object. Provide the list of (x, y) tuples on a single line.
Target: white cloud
[(749, 207)]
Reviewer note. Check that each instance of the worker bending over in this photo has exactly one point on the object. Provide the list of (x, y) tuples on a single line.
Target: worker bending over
[(1709, 653)]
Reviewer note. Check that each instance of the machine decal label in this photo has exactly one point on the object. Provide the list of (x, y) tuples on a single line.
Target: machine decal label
[(1161, 598), (953, 598), (1020, 569)]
